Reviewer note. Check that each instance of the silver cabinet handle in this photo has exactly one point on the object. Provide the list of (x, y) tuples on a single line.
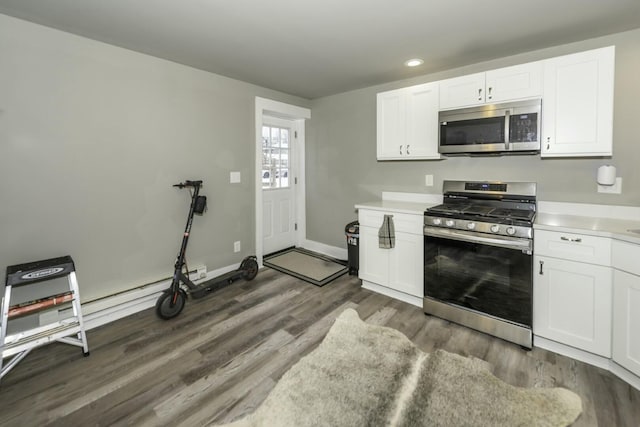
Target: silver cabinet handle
[(408, 149), (480, 94), (541, 264), (401, 150), (489, 92), (568, 239)]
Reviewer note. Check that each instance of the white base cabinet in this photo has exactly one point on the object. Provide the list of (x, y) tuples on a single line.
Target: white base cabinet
[(572, 304), (626, 306), (572, 290), (399, 268)]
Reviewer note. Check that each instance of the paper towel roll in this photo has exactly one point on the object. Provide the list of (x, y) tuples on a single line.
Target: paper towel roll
[(606, 175)]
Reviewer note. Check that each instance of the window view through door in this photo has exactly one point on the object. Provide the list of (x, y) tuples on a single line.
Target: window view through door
[(275, 157)]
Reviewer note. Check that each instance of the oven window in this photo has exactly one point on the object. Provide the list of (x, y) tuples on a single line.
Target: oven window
[(487, 279), (477, 131)]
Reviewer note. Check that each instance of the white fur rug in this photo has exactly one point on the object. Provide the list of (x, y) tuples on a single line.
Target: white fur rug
[(368, 375)]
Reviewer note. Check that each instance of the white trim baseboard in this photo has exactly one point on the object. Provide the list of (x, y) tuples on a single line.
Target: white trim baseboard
[(109, 309), (332, 251)]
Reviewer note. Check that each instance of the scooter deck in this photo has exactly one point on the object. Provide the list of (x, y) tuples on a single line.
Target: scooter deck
[(205, 288)]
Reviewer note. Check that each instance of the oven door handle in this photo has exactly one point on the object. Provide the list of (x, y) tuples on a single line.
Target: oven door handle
[(517, 244)]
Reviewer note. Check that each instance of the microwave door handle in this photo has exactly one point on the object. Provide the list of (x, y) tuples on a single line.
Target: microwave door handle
[(507, 121)]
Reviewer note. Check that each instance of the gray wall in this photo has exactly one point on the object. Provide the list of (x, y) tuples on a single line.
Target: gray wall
[(92, 137), (341, 149)]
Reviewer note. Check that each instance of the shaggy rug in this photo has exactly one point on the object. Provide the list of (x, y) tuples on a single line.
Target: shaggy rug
[(368, 375)]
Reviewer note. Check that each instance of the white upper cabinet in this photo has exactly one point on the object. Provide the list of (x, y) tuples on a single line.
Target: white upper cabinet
[(577, 104), (504, 84), (407, 123)]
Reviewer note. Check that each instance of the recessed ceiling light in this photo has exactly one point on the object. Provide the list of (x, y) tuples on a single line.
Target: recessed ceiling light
[(414, 62)]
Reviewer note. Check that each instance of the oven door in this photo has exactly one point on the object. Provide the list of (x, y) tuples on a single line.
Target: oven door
[(483, 273)]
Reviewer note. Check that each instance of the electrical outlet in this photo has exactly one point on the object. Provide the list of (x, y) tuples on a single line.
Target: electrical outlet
[(201, 272), (428, 180), (236, 246), (616, 188), (234, 177)]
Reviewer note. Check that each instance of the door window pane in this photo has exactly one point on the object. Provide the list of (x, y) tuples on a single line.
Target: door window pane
[(275, 157)]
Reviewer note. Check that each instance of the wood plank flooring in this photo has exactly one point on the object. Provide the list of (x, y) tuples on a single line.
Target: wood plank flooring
[(220, 358)]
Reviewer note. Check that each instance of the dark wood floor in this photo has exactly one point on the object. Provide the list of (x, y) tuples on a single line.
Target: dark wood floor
[(224, 353)]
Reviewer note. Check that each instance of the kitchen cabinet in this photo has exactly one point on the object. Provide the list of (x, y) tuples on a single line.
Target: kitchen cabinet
[(407, 123), (573, 290), (626, 306), (577, 110), (504, 84), (399, 269)]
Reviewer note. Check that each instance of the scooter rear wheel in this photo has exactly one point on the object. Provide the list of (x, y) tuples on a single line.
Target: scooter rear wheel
[(164, 307), (249, 267)]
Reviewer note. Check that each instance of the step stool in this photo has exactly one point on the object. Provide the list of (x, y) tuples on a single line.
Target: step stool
[(19, 344)]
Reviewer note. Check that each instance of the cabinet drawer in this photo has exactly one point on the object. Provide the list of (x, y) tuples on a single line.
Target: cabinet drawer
[(570, 246), (405, 223), (625, 256)]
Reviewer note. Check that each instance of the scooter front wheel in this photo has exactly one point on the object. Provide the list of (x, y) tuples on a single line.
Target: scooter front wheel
[(168, 307), (249, 267)]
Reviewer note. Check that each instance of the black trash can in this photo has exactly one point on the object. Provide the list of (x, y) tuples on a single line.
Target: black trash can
[(352, 231)]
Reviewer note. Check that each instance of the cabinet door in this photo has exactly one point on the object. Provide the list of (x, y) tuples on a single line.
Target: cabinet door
[(406, 264), (422, 121), (577, 105), (374, 261), (572, 304), (513, 83), (391, 124), (626, 320), (464, 91)]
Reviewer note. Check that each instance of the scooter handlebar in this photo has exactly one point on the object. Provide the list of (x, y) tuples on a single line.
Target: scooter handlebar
[(189, 184)]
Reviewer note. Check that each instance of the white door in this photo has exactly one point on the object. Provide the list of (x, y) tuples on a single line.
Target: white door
[(278, 195), (572, 304), (406, 264), (578, 104)]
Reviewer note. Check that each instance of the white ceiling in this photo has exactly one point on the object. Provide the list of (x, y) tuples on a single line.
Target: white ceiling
[(313, 48)]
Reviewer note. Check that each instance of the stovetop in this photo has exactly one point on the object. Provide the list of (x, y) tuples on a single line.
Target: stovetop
[(498, 208), (484, 213)]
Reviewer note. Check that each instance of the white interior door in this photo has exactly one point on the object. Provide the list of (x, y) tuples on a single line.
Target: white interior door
[(278, 180)]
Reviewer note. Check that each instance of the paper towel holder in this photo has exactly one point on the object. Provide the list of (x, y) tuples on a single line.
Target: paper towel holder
[(606, 175)]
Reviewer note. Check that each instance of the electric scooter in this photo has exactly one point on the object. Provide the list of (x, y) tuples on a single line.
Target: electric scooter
[(172, 300)]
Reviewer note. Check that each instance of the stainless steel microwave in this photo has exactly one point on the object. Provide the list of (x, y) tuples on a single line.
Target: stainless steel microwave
[(509, 128)]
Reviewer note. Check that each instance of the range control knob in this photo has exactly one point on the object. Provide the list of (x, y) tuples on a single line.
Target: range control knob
[(450, 223), (495, 228), (511, 231), (436, 221), (471, 225)]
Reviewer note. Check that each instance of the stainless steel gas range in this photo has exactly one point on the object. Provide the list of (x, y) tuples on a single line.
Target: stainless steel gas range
[(478, 263)]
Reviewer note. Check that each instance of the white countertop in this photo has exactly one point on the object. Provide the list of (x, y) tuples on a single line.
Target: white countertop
[(590, 225), (415, 208), (408, 203), (598, 220)]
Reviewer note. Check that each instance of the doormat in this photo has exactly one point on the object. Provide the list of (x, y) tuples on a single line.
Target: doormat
[(306, 265)]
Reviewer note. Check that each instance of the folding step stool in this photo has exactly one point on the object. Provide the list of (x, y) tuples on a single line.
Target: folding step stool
[(21, 343)]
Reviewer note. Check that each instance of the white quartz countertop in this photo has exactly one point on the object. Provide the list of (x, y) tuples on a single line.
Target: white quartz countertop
[(416, 208), (597, 220), (594, 226)]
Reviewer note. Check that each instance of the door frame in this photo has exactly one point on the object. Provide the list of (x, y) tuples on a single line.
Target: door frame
[(298, 115)]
